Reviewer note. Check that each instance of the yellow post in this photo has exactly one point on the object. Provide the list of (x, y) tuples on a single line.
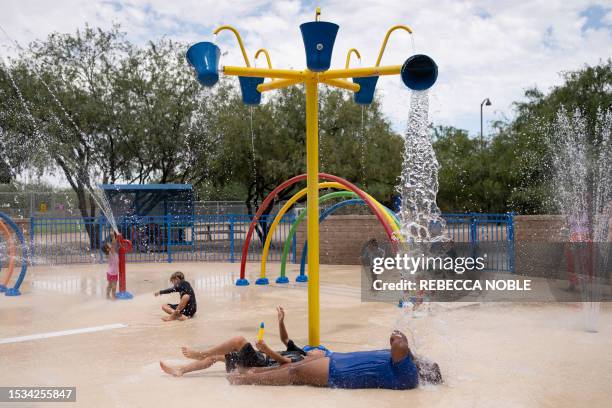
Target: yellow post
[(312, 186)]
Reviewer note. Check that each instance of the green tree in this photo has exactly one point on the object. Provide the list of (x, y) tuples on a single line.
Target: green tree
[(99, 109), (512, 171)]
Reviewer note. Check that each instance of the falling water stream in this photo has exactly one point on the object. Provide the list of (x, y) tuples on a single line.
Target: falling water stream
[(421, 220)]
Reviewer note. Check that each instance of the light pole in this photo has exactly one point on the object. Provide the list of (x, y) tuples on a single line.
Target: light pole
[(485, 102)]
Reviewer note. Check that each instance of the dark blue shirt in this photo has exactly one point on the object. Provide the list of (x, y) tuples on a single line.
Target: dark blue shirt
[(371, 369)]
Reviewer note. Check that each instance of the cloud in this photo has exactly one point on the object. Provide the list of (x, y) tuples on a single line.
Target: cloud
[(483, 48)]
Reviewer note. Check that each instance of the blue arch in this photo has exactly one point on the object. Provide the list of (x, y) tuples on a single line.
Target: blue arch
[(355, 201), (14, 291)]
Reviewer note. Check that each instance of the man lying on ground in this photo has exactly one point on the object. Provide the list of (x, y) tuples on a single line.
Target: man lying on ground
[(392, 368), (238, 353)]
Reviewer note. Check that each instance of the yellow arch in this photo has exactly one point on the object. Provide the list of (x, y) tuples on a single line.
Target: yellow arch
[(11, 252), (302, 193)]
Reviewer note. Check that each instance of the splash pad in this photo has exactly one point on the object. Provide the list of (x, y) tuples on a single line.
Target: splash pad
[(418, 72)]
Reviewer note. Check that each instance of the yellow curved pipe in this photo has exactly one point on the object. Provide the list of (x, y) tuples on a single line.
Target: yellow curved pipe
[(302, 193), (348, 56), (384, 44), (265, 52), (11, 250), (240, 43)]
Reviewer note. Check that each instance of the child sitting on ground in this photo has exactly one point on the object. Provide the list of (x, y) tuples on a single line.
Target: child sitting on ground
[(186, 308), (112, 274)]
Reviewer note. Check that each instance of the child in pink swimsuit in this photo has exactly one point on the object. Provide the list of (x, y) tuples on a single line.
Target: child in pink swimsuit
[(579, 232), (112, 274)]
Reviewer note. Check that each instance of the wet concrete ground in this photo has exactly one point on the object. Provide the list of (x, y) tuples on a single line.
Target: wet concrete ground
[(502, 355)]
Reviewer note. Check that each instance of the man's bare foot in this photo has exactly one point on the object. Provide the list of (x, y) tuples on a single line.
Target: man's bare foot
[(182, 318), (176, 372), (169, 318), (193, 354)]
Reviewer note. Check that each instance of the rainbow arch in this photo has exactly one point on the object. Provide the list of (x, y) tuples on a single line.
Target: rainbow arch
[(382, 215), (5, 223), (338, 194)]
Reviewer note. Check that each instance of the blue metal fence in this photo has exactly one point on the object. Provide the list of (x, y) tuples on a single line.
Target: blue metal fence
[(155, 239), (491, 234), (219, 237)]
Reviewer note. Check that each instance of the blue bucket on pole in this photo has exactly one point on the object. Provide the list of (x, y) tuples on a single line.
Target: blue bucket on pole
[(319, 37), (419, 72), (204, 58), (365, 96), (248, 86)]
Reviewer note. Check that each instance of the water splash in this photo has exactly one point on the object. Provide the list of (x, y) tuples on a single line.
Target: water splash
[(95, 192), (582, 185), (420, 217)]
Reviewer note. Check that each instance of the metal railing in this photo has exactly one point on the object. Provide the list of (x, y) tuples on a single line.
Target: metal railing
[(155, 239), (491, 234), (219, 237)]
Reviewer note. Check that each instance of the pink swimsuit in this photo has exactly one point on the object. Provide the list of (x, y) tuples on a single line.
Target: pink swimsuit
[(113, 267)]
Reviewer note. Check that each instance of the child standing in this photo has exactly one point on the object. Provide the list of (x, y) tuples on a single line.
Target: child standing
[(112, 274)]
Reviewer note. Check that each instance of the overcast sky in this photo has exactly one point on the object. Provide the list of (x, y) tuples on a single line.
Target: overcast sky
[(492, 49)]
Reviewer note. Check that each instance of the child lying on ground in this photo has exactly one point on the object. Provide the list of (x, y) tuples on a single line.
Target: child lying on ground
[(238, 353)]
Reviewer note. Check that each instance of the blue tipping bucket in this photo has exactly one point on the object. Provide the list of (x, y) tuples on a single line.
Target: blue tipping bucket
[(204, 58), (319, 37), (419, 72), (248, 86), (365, 96)]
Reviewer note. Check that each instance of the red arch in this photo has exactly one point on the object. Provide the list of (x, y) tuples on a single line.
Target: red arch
[(292, 181)]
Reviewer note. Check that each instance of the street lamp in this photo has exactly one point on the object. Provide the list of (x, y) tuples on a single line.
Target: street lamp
[(485, 102)]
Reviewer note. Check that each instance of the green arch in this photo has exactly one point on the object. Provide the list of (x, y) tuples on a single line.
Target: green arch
[(300, 218)]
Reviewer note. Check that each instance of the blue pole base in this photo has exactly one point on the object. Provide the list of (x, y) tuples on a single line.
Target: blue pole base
[(301, 278), (2, 288), (319, 347), (12, 292), (242, 282), (262, 281), (124, 295), (282, 279)]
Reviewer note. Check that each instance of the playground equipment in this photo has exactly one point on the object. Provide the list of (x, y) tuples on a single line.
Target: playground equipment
[(389, 218), (125, 246), (418, 72), (8, 228), (302, 277)]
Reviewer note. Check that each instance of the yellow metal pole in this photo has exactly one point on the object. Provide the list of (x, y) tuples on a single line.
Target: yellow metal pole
[(348, 56), (277, 84), (265, 52), (384, 44), (359, 72), (342, 83), (263, 72), (240, 43), (312, 206)]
